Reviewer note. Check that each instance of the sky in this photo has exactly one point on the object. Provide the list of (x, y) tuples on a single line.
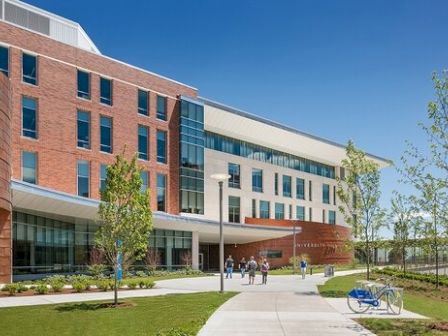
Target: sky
[(341, 70)]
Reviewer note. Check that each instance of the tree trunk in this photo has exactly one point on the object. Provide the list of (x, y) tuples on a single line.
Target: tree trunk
[(115, 286), (367, 255), (403, 260)]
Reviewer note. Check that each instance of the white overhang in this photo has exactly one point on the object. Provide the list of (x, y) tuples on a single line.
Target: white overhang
[(235, 123), (26, 196)]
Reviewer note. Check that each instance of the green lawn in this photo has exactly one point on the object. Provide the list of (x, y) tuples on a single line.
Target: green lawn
[(147, 316), (419, 298)]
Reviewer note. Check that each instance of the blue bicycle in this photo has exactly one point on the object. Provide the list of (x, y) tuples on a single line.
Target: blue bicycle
[(360, 300)]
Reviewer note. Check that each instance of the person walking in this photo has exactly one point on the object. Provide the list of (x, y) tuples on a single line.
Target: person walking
[(229, 267), (243, 267), (252, 267), (264, 271), (303, 266)]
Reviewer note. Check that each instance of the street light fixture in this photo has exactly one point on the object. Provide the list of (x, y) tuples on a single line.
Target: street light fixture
[(221, 178)]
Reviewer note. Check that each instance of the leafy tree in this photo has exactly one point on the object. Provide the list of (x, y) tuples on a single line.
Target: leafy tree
[(428, 172), (359, 193), (125, 215)]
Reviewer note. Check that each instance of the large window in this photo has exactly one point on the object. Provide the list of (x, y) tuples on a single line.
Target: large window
[(105, 91), (259, 153), (143, 142), (234, 172), (290, 211), (29, 117), (144, 175), (276, 184), (279, 211), (324, 219), (332, 217), (254, 208), (310, 214), (161, 107), (326, 193), (300, 212), (83, 84), (234, 209), (300, 188), (29, 69), (29, 167), (103, 176), (106, 134), (143, 102), (265, 211), (161, 192), (257, 180), (83, 129), (287, 186), (334, 195), (4, 60), (161, 146), (310, 190), (83, 178)]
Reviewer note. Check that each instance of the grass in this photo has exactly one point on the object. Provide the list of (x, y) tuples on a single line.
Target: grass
[(142, 316), (316, 269), (419, 297)]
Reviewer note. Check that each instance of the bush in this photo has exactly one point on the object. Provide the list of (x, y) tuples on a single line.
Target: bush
[(80, 283), (56, 282), (430, 278), (147, 283), (132, 283), (97, 270), (21, 287), (140, 274), (11, 288), (103, 285), (42, 288)]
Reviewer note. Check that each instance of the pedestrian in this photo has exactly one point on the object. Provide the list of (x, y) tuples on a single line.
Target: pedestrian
[(229, 267), (303, 265), (264, 271), (243, 267), (252, 267)]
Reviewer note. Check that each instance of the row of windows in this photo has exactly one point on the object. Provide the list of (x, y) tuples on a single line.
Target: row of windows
[(279, 211), (256, 152), (234, 170), (30, 76), (29, 129), (29, 174)]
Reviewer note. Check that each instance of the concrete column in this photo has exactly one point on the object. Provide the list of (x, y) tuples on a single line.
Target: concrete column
[(169, 253), (195, 250)]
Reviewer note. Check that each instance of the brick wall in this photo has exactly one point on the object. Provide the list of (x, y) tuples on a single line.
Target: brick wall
[(5, 174)]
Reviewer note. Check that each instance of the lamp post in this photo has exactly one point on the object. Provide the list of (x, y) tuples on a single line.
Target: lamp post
[(221, 178)]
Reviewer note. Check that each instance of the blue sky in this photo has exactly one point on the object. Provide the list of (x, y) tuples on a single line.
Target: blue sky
[(337, 69)]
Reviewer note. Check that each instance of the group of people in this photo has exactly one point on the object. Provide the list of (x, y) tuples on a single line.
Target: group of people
[(250, 266)]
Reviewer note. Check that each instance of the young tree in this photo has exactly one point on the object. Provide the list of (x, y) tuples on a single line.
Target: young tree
[(359, 193), (125, 215)]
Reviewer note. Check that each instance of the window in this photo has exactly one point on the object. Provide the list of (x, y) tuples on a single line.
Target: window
[(254, 208), (287, 186), (144, 175), (83, 178), (83, 129), (143, 146), (265, 209), (106, 134), (105, 91), (334, 195), (270, 253), (300, 188), (279, 211), (290, 211), (161, 107), (310, 190), (276, 184), (326, 193), (310, 216), (29, 117), (332, 217), (103, 176), (4, 60), (143, 102), (234, 172), (257, 180), (342, 173), (83, 84), (161, 192), (300, 212), (29, 69), (29, 167), (234, 209), (323, 216), (161, 146)]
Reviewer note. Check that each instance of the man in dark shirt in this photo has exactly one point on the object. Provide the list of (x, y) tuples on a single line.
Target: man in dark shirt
[(229, 266)]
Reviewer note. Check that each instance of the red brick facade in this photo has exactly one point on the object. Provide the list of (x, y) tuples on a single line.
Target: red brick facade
[(5, 174), (58, 103), (321, 243)]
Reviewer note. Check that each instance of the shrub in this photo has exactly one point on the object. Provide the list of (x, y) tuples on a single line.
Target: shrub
[(42, 288), (147, 283), (11, 288), (132, 283), (140, 274), (80, 283), (21, 287), (97, 270), (56, 282), (103, 285)]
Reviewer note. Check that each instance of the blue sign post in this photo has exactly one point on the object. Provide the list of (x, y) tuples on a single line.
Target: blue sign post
[(119, 262)]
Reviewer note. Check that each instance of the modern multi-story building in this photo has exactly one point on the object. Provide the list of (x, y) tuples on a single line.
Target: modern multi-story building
[(66, 110)]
